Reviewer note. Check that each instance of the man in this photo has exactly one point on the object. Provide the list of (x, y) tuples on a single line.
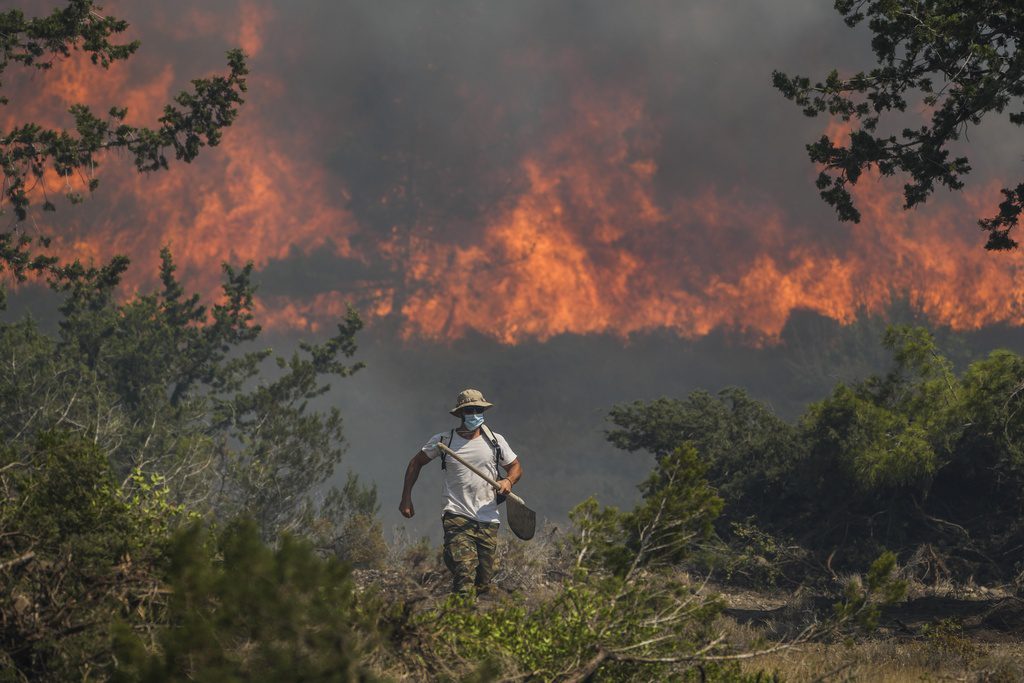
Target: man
[(470, 516)]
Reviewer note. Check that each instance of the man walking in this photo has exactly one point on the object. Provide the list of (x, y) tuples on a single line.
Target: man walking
[(470, 516)]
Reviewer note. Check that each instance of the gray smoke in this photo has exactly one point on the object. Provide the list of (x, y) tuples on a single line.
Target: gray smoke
[(421, 113)]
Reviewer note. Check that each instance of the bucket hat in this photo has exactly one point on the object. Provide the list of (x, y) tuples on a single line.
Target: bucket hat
[(469, 397)]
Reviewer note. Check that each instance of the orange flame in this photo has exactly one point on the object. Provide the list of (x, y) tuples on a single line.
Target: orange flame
[(587, 250), (588, 246), (251, 199)]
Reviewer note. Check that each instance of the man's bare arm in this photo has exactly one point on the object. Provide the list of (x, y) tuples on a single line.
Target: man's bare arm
[(513, 471), (412, 473)]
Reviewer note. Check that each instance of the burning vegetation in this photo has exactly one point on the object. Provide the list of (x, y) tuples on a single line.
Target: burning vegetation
[(167, 510), (581, 225)]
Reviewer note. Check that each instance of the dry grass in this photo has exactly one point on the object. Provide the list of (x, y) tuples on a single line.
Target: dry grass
[(894, 661), (940, 634), (944, 632)]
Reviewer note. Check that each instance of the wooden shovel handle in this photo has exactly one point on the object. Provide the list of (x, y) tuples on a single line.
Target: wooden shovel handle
[(478, 472)]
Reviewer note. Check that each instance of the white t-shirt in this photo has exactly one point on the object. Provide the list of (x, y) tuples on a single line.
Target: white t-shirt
[(465, 492)]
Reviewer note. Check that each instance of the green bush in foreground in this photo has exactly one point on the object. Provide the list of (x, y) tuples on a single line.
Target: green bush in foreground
[(96, 585), (624, 613), (639, 630), (76, 551), (243, 611)]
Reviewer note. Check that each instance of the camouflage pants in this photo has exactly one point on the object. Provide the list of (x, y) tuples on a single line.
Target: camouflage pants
[(469, 548)]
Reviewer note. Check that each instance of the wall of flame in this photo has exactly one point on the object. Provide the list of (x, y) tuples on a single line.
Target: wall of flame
[(585, 237)]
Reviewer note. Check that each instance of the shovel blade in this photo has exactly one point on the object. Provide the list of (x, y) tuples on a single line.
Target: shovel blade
[(521, 519)]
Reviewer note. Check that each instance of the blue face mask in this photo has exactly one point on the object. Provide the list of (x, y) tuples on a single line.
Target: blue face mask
[(472, 421)]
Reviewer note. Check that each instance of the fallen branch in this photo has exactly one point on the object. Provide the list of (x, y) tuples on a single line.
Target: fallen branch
[(18, 561)]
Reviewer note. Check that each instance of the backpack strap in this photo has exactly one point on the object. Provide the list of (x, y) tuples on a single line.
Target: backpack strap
[(489, 435), (444, 462)]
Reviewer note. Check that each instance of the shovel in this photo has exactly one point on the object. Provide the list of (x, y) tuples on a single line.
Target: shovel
[(521, 519)]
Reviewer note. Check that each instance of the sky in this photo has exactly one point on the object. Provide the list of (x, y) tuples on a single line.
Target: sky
[(566, 204)]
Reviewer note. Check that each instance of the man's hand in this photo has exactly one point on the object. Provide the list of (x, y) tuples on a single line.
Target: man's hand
[(504, 487), (406, 508)]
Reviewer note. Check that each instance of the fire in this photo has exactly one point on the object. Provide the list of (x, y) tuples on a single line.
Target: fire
[(250, 199), (587, 243), (586, 249)]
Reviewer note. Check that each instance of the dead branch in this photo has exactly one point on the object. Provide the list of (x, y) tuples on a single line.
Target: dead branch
[(18, 561)]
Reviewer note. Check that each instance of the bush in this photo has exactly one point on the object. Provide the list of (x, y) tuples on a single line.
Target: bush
[(243, 611), (648, 628), (917, 457), (76, 551), (677, 511)]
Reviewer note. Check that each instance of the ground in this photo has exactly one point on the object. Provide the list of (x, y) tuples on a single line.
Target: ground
[(938, 634), (941, 632)]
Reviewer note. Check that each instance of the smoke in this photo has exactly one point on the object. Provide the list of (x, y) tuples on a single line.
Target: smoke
[(552, 398), (584, 168), (578, 201)]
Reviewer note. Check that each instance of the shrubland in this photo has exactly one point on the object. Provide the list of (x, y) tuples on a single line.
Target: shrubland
[(165, 513), (166, 517), (133, 427)]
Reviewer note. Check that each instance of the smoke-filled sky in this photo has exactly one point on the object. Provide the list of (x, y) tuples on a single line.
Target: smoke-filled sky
[(572, 204)]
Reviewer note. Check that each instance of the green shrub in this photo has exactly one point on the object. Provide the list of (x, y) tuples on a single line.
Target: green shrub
[(77, 552), (865, 597), (677, 511), (918, 456), (629, 626), (946, 641), (243, 611)]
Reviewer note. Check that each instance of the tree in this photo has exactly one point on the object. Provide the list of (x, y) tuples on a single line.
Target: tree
[(677, 512), (960, 58), (747, 449), (162, 384), (921, 459), (135, 416), (194, 120)]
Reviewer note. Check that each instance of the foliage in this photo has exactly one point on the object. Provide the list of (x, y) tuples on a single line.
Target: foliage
[(166, 387), (875, 447), (919, 456), (865, 598), (749, 555), (677, 511), (589, 624), (346, 525), (596, 541), (361, 542), (746, 448), (251, 612), (195, 119), (78, 553), (961, 59), (75, 550)]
